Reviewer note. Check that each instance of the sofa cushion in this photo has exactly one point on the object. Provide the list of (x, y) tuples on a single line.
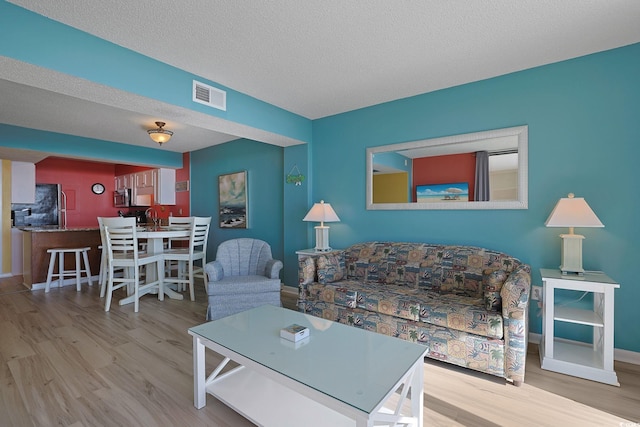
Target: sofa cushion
[(330, 268), (357, 260), (340, 293), (463, 349), (306, 271), (461, 313), (390, 263), (492, 281), (459, 269), (394, 301)]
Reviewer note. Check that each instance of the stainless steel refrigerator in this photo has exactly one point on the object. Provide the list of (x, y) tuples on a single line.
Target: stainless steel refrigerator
[(48, 209)]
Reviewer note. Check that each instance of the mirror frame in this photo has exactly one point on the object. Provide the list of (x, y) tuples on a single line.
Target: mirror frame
[(522, 132)]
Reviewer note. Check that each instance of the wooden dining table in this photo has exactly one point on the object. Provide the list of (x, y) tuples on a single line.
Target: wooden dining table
[(155, 236)]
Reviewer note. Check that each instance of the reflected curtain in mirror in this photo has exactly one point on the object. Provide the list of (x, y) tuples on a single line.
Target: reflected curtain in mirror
[(482, 177)]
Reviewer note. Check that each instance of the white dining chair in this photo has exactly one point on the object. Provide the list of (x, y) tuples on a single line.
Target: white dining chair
[(186, 257), (103, 276), (179, 222), (123, 252)]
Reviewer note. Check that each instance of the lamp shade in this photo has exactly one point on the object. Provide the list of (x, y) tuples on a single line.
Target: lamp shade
[(321, 212), (573, 212)]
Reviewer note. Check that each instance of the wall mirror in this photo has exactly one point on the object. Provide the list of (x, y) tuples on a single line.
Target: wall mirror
[(481, 170)]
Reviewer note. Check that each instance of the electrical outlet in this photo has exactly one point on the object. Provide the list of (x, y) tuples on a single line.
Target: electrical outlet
[(536, 293)]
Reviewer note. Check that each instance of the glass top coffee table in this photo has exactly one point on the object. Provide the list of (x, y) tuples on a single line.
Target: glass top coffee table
[(339, 375)]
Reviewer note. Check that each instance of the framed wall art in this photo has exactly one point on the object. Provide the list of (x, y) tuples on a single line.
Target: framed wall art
[(232, 200), (182, 186)]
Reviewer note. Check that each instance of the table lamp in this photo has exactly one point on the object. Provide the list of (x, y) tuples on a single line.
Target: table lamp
[(322, 212), (572, 212)]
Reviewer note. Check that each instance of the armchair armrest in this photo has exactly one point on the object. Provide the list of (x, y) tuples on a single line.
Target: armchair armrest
[(272, 269), (214, 271)]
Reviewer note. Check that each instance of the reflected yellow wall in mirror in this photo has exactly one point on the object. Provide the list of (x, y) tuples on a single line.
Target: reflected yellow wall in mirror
[(391, 188)]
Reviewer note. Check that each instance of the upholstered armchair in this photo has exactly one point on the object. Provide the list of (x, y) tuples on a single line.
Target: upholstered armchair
[(243, 276)]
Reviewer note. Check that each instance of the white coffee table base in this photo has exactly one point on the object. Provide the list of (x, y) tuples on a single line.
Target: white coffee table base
[(268, 398)]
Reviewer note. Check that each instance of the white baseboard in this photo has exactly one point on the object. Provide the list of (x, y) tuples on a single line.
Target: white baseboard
[(618, 354)]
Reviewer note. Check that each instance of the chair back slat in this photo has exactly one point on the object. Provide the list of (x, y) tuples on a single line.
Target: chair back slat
[(179, 222), (121, 236), (200, 233)]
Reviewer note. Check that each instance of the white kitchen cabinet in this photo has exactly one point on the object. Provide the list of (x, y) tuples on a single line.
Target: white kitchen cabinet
[(144, 178), (161, 183), (122, 182), (165, 186), (125, 182), (23, 182)]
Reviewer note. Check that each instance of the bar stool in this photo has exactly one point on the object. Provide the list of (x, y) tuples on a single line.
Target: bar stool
[(62, 273)]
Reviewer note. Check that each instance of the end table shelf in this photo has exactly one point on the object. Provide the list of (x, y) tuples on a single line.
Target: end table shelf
[(577, 315), (593, 361)]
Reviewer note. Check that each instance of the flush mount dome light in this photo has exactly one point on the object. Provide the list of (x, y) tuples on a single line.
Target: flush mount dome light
[(160, 135)]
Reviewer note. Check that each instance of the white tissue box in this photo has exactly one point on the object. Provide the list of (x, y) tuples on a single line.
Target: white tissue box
[(294, 332)]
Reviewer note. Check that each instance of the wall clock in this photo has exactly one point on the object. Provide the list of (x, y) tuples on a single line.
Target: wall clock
[(97, 188)]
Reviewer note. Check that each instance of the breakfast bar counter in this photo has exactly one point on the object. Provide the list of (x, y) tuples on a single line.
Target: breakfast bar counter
[(36, 241)]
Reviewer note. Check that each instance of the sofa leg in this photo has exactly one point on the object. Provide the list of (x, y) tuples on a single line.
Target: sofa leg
[(517, 383)]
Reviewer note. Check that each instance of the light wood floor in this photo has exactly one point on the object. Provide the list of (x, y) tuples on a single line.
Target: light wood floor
[(65, 362)]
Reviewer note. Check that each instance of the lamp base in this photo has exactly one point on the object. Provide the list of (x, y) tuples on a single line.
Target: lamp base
[(571, 261), (322, 238)]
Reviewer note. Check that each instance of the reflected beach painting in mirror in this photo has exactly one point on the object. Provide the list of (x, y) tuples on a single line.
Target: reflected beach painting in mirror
[(432, 193)]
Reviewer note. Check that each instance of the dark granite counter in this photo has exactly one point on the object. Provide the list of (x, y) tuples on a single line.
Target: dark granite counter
[(54, 228)]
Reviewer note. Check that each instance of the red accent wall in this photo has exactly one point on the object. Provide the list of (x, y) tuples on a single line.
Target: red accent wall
[(77, 177), (445, 169)]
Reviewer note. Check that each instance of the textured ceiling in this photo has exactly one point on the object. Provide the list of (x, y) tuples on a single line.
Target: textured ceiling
[(327, 57)]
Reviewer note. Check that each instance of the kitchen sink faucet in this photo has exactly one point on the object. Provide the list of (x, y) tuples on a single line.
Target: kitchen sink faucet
[(153, 214)]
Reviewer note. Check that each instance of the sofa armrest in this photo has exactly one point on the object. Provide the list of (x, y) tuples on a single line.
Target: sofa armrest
[(214, 271), (272, 269), (515, 312), (515, 291)]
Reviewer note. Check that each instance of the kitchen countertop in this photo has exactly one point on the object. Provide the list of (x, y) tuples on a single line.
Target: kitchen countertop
[(53, 228)]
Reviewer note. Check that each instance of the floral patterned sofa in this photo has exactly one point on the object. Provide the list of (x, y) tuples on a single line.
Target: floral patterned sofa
[(468, 305)]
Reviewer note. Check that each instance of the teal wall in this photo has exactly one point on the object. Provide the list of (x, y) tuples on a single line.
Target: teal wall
[(583, 138), (297, 203), (264, 164)]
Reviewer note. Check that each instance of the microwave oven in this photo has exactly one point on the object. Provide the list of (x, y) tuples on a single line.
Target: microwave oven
[(121, 198)]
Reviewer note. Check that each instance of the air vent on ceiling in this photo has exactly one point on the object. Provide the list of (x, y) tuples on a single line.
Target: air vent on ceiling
[(207, 95)]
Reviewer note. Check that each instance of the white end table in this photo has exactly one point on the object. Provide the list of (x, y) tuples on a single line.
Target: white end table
[(593, 361), (303, 253)]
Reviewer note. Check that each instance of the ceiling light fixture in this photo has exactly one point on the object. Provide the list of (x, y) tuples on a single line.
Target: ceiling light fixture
[(160, 135)]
